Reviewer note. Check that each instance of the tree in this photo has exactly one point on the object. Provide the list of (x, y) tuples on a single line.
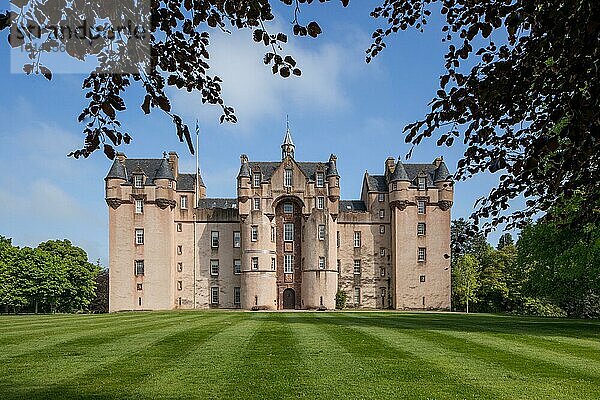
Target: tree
[(465, 280), (520, 87), (505, 240), (466, 239), (173, 51), (521, 90), (99, 303), (563, 265), (11, 293)]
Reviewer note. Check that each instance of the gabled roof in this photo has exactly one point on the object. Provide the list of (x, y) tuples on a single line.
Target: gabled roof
[(376, 183), (155, 168), (352, 206), (217, 203), (414, 170)]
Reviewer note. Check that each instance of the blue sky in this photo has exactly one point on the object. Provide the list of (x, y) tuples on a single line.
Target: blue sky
[(340, 105)]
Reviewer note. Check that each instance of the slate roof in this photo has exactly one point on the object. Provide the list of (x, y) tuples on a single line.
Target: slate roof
[(267, 168), (164, 171), (399, 173), (379, 183), (117, 171), (186, 182), (376, 183), (352, 206), (152, 168), (217, 203)]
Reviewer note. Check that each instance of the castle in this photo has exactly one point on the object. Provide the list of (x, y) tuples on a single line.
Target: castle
[(286, 242)]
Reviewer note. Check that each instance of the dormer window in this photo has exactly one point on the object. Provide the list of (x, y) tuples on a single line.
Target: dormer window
[(138, 181), (256, 179), (320, 179), (287, 177), (421, 182)]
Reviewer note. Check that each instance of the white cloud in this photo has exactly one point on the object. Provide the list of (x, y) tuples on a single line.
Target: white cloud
[(255, 93)]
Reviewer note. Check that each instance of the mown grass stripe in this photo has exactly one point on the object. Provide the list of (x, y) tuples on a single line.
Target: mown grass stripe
[(202, 372), (584, 366), (128, 363), (270, 364), (401, 372), (92, 334)]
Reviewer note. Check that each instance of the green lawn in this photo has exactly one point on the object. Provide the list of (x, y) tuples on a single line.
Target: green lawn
[(183, 355)]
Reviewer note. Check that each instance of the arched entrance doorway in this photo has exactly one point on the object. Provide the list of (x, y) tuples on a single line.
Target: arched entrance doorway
[(289, 299)]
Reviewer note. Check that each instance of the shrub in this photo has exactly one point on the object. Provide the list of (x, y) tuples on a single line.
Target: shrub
[(340, 299)]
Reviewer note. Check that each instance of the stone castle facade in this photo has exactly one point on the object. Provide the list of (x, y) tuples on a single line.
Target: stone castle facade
[(286, 242)]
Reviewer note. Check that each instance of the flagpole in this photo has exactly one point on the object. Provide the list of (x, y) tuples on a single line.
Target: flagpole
[(196, 188)]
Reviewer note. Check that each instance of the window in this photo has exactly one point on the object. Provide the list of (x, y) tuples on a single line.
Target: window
[(139, 206), (382, 229), (320, 203), (254, 233), (422, 278), (381, 197), (179, 227), (214, 267), (288, 177), (421, 182), (394, 186), (357, 239), (237, 266), (288, 263), (139, 301), (256, 203), (255, 263), (321, 262), (179, 285), (321, 232), (421, 228), (421, 206), (139, 236), (179, 301), (382, 271), (381, 214), (273, 264), (339, 266), (139, 267), (183, 203), (179, 267), (214, 295), (139, 286), (337, 239), (179, 249), (237, 239), (214, 239), (273, 234), (138, 181), (356, 267), (382, 251), (421, 252), (256, 179), (236, 295), (356, 295), (288, 232), (288, 208), (320, 179)]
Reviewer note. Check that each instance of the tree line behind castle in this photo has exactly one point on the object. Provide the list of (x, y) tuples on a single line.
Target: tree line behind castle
[(551, 270)]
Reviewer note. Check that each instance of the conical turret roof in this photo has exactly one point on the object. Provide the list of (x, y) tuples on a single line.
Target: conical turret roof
[(117, 171), (164, 171), (442, 173), (399, 173)]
